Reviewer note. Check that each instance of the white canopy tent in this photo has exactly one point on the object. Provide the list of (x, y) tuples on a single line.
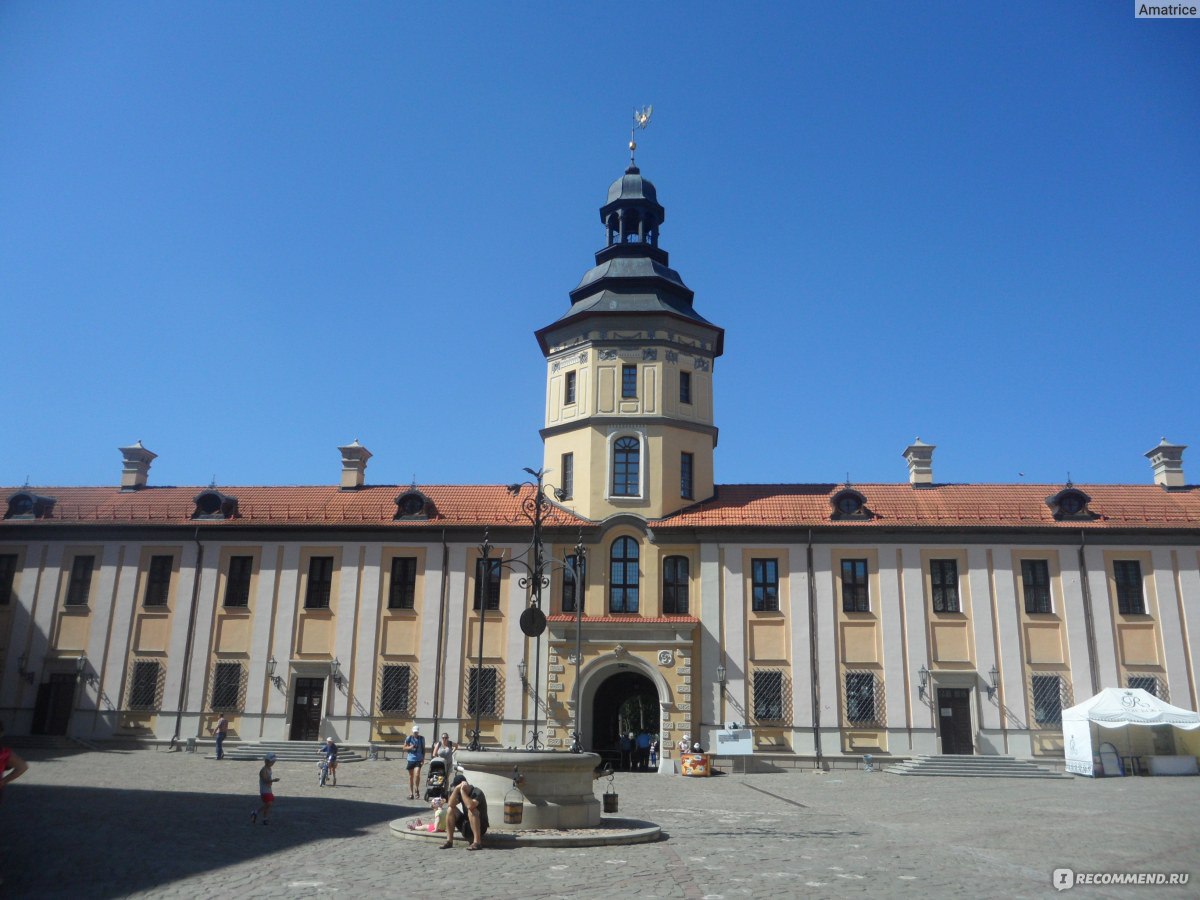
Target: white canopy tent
[(1138, 712)]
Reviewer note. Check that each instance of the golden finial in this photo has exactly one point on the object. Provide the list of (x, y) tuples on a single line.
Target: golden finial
[(641, 118)]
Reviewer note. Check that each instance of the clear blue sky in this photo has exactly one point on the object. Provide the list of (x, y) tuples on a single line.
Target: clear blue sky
[(246, 233)]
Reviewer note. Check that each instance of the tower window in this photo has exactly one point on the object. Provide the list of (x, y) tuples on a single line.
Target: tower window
[(569, 392), (685, 387), (626, 460), (685, 475), (567, 488), (675, 586), (320, 582), (629, 382), (855, 593), (572, 577), (623, 583), (764, 578)]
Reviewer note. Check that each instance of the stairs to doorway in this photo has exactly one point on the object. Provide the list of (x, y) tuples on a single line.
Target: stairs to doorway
[(972, 767), (288, 751)]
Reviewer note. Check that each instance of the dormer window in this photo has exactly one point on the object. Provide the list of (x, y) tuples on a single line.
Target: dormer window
[(412, 504), (1070, 504), (24, 505), (850, 504), (213, 504)]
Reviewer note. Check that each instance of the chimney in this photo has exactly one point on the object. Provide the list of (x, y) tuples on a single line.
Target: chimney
[(1167, 461), (137, 466), (354, 465), (919, 457)]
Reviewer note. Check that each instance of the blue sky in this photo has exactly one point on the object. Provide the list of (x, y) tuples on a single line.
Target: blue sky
[(246, 233)]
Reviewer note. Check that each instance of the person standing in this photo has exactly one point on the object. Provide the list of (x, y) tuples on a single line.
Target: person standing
[(654, 754), (643, 749), (219, 731), (415, 745), (626, 744), (266, 790), (445, 750)]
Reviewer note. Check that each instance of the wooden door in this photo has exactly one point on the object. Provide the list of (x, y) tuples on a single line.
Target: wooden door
[(954, 720), (52, 710), (306, 709)]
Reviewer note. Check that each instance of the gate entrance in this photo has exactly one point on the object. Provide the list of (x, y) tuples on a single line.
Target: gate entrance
[(52, 710), (624, 703)]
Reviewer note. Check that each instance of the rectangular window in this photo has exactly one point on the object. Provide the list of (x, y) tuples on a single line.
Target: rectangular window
[(856, 594), (943, 576), (320, 582), (860, 698), (1147, 683), (1035, 577), (8, 572), (768, 696), (568, 476), (569, 392), (492, 579), (481, 692), (685, 387), (403, 590), (227, 687), (572, 576), (81, 581), (237, 581), (158, 580), (685, 475), (393, 690), (1047, 699), (629, 382), (675, 585), (764, 577), (1128, 575), (143, 686)]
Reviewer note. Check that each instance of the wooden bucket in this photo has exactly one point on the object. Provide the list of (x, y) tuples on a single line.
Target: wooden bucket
[(610, 801), (514, 811)]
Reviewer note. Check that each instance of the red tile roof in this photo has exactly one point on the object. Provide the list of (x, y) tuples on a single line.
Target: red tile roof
[(941, 506), (950, 506), (372, 505)]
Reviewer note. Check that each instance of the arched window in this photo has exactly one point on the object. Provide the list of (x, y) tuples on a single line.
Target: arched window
[(623, 580), (675, 586), (626, 460)]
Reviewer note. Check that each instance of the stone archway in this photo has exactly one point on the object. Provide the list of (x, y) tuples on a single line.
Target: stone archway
[(625, 701)]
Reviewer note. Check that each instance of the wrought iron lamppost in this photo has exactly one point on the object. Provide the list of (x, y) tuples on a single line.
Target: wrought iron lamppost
[(578, 570)]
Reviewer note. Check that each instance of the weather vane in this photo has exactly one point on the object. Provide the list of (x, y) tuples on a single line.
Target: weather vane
[(641, 118)]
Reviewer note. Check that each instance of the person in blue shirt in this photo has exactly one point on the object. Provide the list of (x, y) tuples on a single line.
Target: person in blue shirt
[(415, 745), (330, 751), (643, 750)]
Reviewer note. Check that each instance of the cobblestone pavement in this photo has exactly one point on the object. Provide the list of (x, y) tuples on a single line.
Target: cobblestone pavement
[(154, 824)]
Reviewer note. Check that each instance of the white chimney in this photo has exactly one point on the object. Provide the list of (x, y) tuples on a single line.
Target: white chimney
[(137, 466), (919, 456), (354, 465), (1167, 462)]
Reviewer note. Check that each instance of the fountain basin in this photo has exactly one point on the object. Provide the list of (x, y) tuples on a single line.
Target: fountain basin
[(558, 791)]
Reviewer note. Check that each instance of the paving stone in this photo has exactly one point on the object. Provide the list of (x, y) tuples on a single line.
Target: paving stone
[(164, 825)]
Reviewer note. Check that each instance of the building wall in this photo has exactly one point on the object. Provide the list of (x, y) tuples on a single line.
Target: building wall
[(438, 639)]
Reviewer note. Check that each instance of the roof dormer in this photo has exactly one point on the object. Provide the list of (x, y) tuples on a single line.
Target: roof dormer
[(1070, 504), (849, 504), (413, 504), (212, 504), (25, 505)]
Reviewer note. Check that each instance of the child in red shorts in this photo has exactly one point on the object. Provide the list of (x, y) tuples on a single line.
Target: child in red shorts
[(265, 780)]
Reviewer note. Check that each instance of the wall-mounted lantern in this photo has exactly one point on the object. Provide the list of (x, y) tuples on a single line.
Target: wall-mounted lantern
[(923, 674), (994, 686)]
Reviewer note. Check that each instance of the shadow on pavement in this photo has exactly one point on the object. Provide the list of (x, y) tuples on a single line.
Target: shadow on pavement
[(107, 842)]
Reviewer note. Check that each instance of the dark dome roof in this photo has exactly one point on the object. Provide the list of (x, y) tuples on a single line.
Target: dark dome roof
[(632, 186)]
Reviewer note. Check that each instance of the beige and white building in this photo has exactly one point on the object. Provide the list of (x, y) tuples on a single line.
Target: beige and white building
[(834, 620)]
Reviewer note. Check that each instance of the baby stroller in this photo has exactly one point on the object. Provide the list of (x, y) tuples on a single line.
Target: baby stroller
[(435, 781)]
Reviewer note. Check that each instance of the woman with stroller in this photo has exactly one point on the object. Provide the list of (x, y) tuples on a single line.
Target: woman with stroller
[(445, 750)]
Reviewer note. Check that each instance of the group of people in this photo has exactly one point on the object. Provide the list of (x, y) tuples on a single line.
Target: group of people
[(639, 752), (463, 809)]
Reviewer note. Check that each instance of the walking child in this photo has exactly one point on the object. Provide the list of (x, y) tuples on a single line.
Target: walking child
[(266, 778)]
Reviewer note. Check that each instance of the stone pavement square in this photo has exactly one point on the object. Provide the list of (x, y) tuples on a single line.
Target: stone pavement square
[(153, 824)]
